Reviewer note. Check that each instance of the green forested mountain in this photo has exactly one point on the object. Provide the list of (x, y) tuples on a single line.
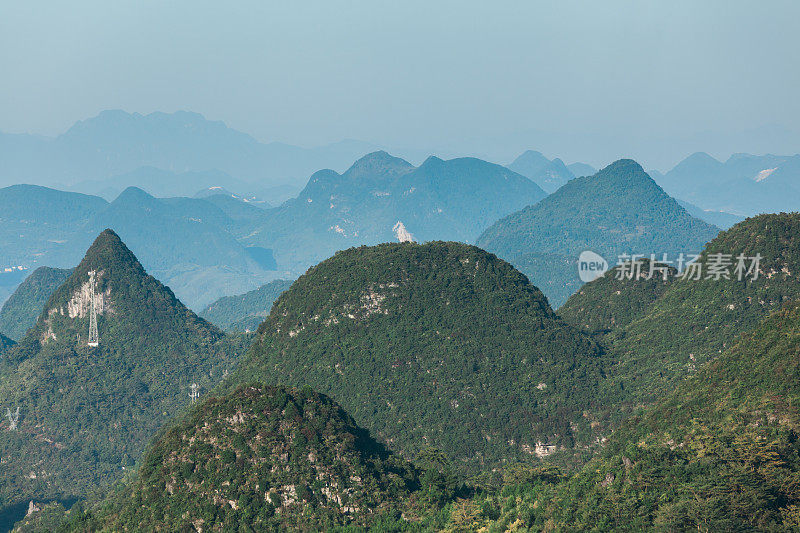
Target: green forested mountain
[(86, 412), (22, 308), (618, 210), (263, 459), (381, 196), (245, 312), (696, 320), (441, 345), (720, 453), (615, 299)]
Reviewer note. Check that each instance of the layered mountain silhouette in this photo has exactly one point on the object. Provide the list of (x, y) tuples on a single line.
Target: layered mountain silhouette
[(437, 344), (381, 197), (619, 210), (116, 142), (719, 219), (189, 243), (165, 183), (547, 174), (744, 184), (36, 221), (23, 307), (86, 412), (270, 457)]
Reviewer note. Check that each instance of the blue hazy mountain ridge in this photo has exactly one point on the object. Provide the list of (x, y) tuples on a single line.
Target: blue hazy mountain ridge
[(439, 200), (720, 219), (116, 142), (36, 221), (618, 210), (581, 169), (163, 183), (744, 184), (547, 174), (189, 243), (245, 312)]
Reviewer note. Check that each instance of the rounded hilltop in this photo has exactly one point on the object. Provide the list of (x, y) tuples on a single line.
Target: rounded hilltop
[(439, 344)]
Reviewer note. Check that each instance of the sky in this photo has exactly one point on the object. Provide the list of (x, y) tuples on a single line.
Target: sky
[(586, 81)]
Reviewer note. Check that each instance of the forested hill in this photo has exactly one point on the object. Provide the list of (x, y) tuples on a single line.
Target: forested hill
[(620, 296), (695, 320), (720, 453), (86, 412), (245, 312), (269, 457), (618, 210), (22, 308), (441, 345)]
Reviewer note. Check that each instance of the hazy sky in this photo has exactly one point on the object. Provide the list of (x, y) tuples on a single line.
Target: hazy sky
[(586, 80)]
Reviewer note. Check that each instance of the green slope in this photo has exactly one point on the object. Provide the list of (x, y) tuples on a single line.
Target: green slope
[(613, 301), (720, 453), (245, 312), (439, 345), (618, 210), (87, 413), (22, 308), (694, 321)]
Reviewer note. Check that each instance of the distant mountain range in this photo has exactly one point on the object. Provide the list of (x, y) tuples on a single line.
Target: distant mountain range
[(116, 143), (166, 183), (547, 174), (381, 197), (744, 184), (189, 243), (616, 211)]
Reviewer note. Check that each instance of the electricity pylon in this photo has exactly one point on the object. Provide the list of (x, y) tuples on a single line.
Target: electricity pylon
[(12, 418), (94, 336), (195, 394)]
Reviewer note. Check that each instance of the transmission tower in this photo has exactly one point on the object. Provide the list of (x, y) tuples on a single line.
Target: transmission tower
[(94, 336), (12, 418), (195, 394)]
